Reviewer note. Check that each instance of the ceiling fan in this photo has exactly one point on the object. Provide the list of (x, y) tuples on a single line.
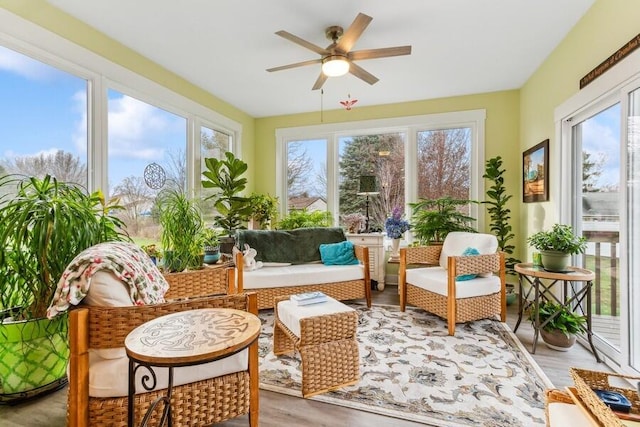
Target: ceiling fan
[(338, 59)]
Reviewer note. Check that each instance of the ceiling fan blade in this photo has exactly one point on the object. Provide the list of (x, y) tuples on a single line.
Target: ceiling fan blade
[(362, 74), (353, 33), (379, 53), (321, 79), (302, 42), (297, 64)]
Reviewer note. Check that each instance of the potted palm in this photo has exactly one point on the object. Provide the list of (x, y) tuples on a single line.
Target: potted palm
[(44, 224), (433, 219), (559, 325), (233, 210), (181, 222), (557, 245)]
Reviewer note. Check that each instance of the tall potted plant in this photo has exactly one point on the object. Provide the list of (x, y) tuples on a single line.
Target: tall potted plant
[(557, 245), (433, 219), (498, 211), (181, 236), (44, 224), (233, 210)]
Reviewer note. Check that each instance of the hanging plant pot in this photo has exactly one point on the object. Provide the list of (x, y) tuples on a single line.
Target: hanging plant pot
[(555, 261), (557, 340), (34, 355)]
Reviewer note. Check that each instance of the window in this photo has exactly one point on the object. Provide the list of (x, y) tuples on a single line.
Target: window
[(81, 123), (411, 157), (43, 119)]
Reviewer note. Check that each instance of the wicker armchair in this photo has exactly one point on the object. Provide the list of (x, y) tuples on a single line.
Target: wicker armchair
[(435, 288), (202, 402)]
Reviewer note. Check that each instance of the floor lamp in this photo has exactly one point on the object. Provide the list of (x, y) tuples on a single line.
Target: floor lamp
[(367, 188)]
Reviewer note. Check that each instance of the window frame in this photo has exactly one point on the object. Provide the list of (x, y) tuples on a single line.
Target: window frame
[(101, 75), (410, 125)]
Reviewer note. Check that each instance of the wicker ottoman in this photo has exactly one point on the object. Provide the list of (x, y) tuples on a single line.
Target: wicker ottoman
[(325, 336)]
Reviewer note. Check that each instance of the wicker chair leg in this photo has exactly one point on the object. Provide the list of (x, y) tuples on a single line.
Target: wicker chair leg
[(282, 343)]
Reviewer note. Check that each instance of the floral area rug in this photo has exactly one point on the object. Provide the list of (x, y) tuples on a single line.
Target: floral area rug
[(411, 369)]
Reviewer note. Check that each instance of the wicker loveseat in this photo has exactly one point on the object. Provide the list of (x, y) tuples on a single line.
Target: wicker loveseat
[(455, 287), (292, 264)]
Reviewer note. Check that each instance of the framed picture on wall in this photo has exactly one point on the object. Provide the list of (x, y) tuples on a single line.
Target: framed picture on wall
[(535, 173)]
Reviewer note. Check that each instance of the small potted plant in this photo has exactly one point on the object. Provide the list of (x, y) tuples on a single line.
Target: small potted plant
[(562, 325), (211, 242), (395, 226), (433, 219), (264, 209), (557, 245), (152, 251)]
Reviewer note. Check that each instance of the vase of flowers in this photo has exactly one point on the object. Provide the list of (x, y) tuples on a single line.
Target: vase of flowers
[(395, 226)]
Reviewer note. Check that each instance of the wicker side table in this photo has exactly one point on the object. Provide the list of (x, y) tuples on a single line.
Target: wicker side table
[(325, 336)]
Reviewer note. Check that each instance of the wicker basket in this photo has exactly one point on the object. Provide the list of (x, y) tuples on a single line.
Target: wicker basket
[(586, 381)]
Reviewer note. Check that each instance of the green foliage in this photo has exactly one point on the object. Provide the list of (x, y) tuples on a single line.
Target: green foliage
[(433, 219), (264, 208), (210, 237), (44, 224), (182, 224), (565, 320), (304, 219), (560, 238), (500, 214), (226, 176)]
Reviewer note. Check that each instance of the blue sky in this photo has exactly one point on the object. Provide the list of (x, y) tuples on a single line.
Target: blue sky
[(43, 110)]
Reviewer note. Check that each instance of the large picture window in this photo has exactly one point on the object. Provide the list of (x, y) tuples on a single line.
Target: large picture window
[(411, 157)]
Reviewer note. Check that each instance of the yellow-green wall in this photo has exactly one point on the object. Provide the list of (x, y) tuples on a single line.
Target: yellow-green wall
[(605, 28)]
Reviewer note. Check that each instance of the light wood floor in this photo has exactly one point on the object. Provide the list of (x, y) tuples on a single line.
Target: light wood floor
[(280, 410)]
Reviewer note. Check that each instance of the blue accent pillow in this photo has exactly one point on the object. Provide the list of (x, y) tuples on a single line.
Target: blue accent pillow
[(463, 277), (338, 253)]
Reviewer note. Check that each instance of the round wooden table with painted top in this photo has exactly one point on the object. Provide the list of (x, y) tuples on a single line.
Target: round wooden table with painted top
[(574, 297), (184, 339)]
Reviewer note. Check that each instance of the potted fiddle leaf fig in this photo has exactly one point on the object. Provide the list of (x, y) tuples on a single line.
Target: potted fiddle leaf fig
[(44, 224), (557, 245), (232, 209)]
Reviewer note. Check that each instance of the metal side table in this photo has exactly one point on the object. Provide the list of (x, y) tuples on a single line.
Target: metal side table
[(573, 296)]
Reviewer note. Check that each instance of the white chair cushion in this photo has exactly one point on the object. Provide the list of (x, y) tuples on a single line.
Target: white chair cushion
[(434, 279), (107, 291), (566, 414), (291, 313), (108, 377), (300, 274), (456, 242)]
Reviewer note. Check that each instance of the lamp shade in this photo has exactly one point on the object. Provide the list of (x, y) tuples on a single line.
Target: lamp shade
[(368, 185), (335, 66)]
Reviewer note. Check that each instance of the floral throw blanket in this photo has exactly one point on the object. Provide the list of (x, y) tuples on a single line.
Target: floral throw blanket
[(125, 260)]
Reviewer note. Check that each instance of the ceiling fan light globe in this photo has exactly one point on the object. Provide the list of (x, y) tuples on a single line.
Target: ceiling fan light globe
[(335, 66)]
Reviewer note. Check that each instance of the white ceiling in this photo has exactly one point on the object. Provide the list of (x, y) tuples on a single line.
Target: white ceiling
[(459, 46)]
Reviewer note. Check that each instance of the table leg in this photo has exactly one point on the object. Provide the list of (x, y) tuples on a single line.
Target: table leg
[(130, 396), (520, 303), (536, 308), (589, 330)]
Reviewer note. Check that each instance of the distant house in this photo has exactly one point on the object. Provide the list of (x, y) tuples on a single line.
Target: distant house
[(310, 204)]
